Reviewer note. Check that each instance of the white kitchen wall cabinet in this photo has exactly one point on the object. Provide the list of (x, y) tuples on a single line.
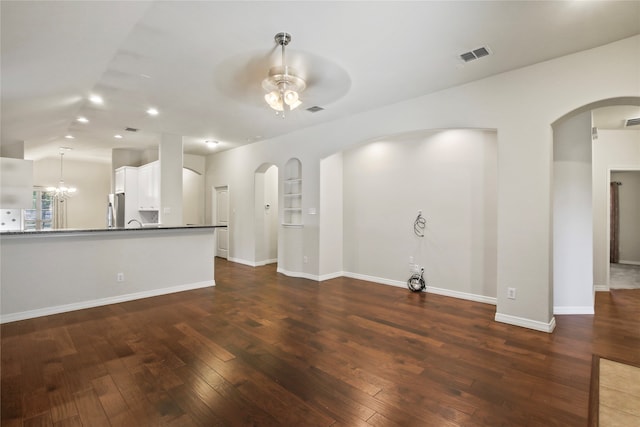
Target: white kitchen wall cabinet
[(126, 180), (16, 179), (149, 187)]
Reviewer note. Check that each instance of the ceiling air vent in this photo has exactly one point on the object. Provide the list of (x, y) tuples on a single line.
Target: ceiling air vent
[(632, 122), (131, 129), (475, 54), (314, 109)]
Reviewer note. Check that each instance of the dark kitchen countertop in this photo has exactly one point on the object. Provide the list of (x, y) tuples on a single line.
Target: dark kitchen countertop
[(107, 230)]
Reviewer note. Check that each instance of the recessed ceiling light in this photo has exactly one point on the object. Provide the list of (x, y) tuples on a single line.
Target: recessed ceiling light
[(152, 112), (211, 143), (69, 136), (83, 119), (96, 99), (117, 136)]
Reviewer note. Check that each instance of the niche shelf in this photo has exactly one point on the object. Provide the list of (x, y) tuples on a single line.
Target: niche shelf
[(292, 194)]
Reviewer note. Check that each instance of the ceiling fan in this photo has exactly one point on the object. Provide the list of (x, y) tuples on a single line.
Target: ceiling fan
[(281, 82)]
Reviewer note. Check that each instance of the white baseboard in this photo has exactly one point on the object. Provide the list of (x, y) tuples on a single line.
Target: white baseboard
[(266, 262), (242, 261), (462, 295), (430, 289), (30, 314), (330, 276), (374, 279), (298, 274), (573, 310), (601, 288), (629, 262), (527, 323)]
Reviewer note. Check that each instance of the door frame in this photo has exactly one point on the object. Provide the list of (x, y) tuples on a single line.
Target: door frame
[(608, 216), (214, 215)]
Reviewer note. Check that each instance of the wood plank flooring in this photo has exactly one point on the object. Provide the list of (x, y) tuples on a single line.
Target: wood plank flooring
[(263, 349)]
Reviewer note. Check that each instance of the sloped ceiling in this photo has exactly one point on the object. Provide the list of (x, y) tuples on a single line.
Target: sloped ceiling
[(201, 63)]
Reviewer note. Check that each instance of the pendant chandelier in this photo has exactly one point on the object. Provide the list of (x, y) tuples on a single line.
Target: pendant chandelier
[(283, 86), (62, 191)]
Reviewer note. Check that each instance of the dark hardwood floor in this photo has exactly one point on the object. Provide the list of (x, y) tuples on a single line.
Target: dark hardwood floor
[(265, 349)]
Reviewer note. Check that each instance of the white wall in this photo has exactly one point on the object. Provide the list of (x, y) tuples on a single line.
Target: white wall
[(171, 164), (270, 215), (266, 219), (192, 197), (193, 191), (572, 216), (629, 201), (451, 176), (53, 273), (88, 207), (612, 150), (520, 105), (331, 217)]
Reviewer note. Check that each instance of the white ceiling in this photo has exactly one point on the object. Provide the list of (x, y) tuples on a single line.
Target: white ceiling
[(201, 63)]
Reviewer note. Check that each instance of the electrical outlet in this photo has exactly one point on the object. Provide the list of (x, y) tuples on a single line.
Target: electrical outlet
[(305, 259), (511, 293), (410, 260), (120, 277)]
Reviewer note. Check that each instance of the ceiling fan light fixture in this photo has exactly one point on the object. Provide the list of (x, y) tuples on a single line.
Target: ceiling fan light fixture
[(283, 85)]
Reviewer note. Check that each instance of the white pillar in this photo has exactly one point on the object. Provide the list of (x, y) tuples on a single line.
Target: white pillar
[(170, 155)]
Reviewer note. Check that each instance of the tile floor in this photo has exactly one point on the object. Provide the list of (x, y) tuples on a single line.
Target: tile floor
[(624, 276)]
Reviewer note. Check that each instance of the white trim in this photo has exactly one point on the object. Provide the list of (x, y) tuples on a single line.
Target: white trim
[(430, 289), (629, 262), (298, 274), (573, 310), (266, 262), (102, 301), (242, 261), (526, 323), (380, 280), (462, 295), (330, 276), (601, 288)]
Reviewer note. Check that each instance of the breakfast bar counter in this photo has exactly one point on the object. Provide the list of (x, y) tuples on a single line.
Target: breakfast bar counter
[(54, 271)]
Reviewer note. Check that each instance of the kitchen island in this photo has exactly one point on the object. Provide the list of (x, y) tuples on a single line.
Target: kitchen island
[(54, 271)]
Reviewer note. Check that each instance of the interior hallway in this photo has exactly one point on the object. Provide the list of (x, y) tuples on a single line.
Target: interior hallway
[(624, 276), (265, 349)]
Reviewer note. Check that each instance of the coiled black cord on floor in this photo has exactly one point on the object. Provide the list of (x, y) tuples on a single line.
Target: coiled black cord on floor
[(416, 282), (419, 225)]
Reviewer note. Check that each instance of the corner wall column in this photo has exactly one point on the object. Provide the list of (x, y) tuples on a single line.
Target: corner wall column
[(171, 157)]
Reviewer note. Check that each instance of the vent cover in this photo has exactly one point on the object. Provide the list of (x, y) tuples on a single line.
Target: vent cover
[(131, 129), (475, 54), (632, 122), (314, 109)]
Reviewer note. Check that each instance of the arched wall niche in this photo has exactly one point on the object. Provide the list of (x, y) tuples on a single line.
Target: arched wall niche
[(450, 175)]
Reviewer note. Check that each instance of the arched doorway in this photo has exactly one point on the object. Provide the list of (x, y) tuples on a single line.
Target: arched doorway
[(581, 175), (266, 214)]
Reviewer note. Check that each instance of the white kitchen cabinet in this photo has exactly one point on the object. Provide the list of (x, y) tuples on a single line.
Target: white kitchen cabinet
[(149, 187), (16, 183), (126, 180)]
